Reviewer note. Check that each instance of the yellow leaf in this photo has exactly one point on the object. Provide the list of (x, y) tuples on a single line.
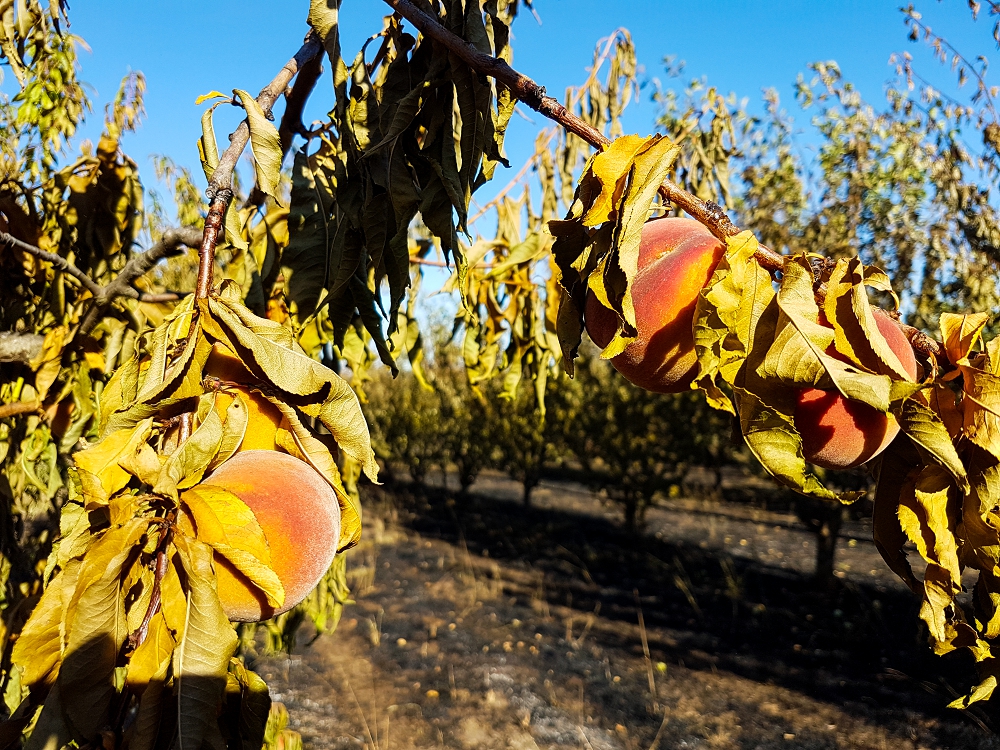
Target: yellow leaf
[(151, 659), (959, 334), (97, 628), (227, 524), (928, 514), (210, 95), (610, 167), (981, 408), (983, 691), (38, 648), (100, 472), (48, 362), (849, 312), (316, 390)]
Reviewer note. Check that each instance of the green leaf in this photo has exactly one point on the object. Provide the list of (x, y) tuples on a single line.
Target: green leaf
[(728, 311), (265, 144), (774, 441), (208, 151), (97, 629), (51, 730), (798, 355), (188, 463), (250, 691)]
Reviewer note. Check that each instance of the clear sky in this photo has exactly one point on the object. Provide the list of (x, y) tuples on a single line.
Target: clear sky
[(187, 48)]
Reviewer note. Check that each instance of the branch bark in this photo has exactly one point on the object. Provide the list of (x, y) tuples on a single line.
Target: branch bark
[(121, 285), (530, 93), (20, 347), (56, 260)]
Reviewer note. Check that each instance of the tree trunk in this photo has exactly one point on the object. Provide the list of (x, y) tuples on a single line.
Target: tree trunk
[(827, 531), (631, 514), (529, 484)]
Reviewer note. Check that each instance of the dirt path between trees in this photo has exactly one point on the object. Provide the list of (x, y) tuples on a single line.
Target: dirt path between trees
[(484, 625)]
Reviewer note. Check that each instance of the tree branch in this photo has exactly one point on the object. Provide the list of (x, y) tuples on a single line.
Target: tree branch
[(710, 214), (121, 285), (56, 260), (291, 119), (220, 187), (18, 407), (20, 347), (222, 178)]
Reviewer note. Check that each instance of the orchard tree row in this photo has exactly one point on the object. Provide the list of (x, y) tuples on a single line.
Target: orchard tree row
[(597, 428), (170, 421)]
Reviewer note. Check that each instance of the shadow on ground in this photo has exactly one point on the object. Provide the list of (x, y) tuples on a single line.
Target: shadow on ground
[(856, 645)]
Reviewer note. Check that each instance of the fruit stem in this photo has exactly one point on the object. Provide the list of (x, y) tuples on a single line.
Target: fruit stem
[(156, 598), (525, 90)]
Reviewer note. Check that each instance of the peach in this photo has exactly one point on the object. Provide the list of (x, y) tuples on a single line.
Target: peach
[(263, 417), (676, 259), (838, 433), (300, 516)]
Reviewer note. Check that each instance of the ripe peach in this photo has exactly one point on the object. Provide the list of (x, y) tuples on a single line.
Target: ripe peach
[(676, 259), (838, 433), (300, 516), (263, 417)]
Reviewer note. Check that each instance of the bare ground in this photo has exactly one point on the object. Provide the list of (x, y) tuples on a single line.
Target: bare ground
[(481, 624)]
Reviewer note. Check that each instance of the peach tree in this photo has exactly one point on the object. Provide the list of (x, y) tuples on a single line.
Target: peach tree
[(116, 418)]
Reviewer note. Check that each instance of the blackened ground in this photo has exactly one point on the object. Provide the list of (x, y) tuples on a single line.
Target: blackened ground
[(482, 624)]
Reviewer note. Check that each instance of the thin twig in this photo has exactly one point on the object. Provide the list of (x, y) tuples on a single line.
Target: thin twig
[(159, 297), (121, 285), (18, 407), (56, 260), (708, 213), (291, 119), (220, 186)]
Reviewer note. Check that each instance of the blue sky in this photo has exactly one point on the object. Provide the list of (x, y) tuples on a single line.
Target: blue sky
[(188, 48)]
